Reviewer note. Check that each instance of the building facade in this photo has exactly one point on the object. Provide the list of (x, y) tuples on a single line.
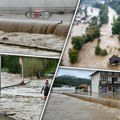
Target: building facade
[(105, 82)]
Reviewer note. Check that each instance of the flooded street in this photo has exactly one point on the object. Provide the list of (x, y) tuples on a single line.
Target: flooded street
[(24, 102), (87, 57), (63, 107)]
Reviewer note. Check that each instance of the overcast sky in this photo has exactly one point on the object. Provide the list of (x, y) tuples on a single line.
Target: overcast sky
[(75, 72)]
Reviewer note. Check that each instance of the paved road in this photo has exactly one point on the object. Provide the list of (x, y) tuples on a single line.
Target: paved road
[(61, 107)]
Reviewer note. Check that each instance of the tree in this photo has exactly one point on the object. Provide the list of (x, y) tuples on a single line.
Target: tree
[(77, 42), (34, 66), (116, 26), (73, 55), (11, 63), (94, 31), (94, 21)]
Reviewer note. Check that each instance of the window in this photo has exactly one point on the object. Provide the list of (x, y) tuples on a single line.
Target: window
[(104, 78), (114, 79)]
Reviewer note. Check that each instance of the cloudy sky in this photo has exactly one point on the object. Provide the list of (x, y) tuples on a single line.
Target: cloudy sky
[(75, 72)]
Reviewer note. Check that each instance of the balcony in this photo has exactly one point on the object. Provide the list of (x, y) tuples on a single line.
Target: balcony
[(116, 82), (103, 82)]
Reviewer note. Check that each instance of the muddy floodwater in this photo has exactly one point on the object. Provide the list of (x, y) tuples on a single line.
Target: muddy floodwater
[(42, 41), (21, 102), (64, 107), (87, 57)]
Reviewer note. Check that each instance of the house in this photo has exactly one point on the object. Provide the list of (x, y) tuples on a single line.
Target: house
[(105, 82), (84, 87)]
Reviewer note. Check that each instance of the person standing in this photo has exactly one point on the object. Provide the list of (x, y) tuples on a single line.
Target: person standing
[(46, 88)]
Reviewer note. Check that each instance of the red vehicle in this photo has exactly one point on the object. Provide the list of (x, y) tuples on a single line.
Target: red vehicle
[(44, 14)]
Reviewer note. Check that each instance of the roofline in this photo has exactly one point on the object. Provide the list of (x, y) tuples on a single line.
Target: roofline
[(94, 73), (103, 71)]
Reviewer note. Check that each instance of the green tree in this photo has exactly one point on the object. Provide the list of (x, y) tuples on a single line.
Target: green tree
[(73, 55), (94, 31), (34, 66), (94, 21), (77, 42), (116, 26), (11, 63)]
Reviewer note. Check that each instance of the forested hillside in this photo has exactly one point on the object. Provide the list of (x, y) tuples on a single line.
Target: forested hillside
[(70, 81)]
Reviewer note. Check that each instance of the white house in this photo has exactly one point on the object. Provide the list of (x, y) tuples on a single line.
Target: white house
[(105, 82)]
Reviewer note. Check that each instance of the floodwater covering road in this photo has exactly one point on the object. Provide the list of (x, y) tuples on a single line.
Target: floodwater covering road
[(87, 57), (63, 107), (21, 102)]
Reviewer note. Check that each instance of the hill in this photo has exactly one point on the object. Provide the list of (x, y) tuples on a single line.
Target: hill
[(70, 81)]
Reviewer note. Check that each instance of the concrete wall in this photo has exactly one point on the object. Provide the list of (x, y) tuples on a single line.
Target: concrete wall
[(95, 83), (39, 4)]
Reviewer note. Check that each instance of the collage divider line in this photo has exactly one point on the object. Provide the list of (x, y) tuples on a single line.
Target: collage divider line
[(71, 25), (77, 68)]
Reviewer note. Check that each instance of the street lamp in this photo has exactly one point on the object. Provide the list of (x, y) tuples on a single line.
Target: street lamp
[(21, 63)]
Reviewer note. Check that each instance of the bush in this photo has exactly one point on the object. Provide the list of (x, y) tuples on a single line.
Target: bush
[(73, 55), (77, 42), (104, 52), (99, 51)]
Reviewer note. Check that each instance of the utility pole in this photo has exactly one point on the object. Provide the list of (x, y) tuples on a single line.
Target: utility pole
[(22, 70)]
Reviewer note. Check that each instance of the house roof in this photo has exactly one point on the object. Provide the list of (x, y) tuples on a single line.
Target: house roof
[(83, 85), (114, 59), (102, 71), (94, 73)]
